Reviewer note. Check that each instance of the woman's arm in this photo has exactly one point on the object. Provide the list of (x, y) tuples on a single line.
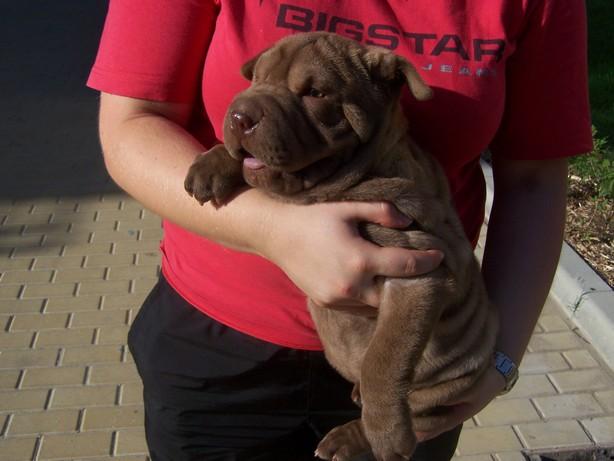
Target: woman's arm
[(147, 151), (525, 233)]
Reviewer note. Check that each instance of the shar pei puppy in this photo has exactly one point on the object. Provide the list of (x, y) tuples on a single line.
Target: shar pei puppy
[(321, 121)]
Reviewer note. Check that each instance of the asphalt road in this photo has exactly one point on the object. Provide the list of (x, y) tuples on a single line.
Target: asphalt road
[(48, 139)]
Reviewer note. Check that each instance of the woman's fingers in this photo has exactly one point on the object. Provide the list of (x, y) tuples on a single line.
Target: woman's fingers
[(398, 262), (382, 213), (378, 263), (320, 249)]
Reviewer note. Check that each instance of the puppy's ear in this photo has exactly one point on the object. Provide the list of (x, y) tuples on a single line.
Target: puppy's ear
[(420, 90), (247, 69), (358, 120), (390, 67)]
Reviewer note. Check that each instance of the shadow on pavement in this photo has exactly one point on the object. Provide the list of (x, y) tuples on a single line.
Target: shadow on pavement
[(48, 137)]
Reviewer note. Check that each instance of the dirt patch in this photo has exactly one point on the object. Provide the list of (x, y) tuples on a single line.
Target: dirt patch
[(589, 226), (588, 454)]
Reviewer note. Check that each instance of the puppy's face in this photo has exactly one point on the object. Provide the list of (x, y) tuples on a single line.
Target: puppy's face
[(313, 100)]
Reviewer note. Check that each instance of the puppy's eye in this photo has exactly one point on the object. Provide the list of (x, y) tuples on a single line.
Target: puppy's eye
[(314, 93)]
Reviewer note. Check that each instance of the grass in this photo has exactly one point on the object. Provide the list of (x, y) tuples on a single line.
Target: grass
[(598, 166)]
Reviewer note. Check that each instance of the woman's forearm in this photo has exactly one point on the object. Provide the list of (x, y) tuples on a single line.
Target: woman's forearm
[(523, 245), (148, 155)]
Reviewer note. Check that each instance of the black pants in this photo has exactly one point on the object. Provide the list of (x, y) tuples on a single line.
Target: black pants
[(213, 393)]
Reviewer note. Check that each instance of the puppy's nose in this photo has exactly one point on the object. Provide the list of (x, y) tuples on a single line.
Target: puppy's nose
[(241, 123)]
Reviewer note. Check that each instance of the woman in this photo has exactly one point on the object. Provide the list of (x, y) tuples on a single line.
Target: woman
[(231, 365)]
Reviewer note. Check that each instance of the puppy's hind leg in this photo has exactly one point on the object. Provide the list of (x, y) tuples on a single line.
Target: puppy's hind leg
[(345, 443), (407, 314)]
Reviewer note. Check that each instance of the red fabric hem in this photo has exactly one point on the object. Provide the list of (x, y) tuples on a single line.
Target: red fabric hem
[(525, 153), (278, 340), (139, 86)]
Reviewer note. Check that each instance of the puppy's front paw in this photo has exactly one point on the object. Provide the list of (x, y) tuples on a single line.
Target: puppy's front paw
[(204, 184), (390, 435), (214, 176)]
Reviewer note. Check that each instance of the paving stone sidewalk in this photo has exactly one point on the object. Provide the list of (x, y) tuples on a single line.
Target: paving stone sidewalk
[(74, 272)]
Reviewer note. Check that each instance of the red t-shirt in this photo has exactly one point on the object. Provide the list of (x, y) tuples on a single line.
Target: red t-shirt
[(509, 76)]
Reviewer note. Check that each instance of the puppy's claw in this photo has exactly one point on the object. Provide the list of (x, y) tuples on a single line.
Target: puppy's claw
[(345, 443), (356, 395)]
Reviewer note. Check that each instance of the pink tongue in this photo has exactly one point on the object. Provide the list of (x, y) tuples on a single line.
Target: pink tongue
[(252, 163)]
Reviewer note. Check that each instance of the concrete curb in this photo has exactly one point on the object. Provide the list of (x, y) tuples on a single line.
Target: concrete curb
[(587, 299)]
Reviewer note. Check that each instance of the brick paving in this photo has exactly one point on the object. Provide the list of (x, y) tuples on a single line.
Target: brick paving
[(74, 272), (68, 292)]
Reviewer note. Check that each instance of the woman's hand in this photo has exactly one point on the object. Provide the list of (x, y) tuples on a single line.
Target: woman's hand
[(470, 403), (319, 248)]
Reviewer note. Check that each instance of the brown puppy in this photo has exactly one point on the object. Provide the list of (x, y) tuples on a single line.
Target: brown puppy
[(321, 121)]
